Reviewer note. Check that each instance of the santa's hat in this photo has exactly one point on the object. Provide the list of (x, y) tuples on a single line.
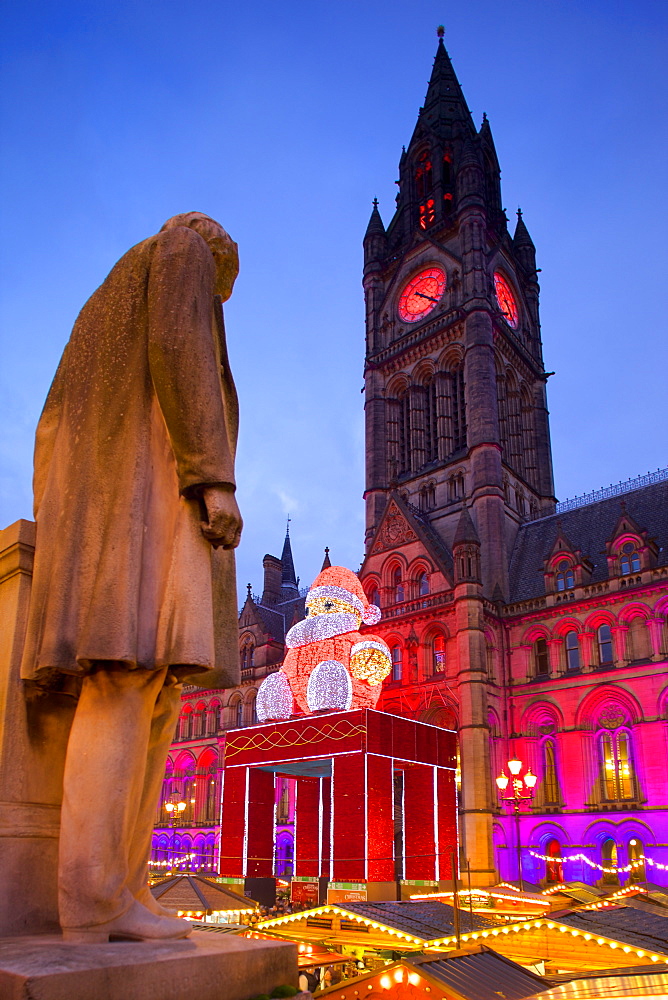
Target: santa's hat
[(342, 583)]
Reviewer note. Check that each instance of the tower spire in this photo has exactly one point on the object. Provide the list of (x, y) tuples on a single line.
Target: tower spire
[(288, 576)]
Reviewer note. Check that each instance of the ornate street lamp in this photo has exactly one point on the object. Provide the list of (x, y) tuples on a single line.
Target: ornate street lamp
[(522, 789)]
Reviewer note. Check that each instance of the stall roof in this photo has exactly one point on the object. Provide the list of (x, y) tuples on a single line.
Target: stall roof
[(475, 974), (479, 974), (632, 986), (645, 927), (195, 893), (423, 919)]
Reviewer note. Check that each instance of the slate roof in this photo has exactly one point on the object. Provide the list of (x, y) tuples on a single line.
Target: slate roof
[(640, 928), (588, 528), (481, 975), (426, 920)]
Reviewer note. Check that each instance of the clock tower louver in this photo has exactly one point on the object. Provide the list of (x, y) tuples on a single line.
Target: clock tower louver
[(455, 385)]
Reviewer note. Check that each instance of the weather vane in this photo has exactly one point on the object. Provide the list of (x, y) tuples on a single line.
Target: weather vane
[(440, 31)]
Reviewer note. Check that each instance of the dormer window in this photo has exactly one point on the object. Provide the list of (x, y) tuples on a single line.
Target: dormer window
[(629, 561), (565, 577)]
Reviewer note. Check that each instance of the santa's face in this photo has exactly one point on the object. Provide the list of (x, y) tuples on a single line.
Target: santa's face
[(327, 615)]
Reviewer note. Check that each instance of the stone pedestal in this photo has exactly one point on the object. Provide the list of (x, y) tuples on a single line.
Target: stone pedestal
[(33, 739), (206, 966)]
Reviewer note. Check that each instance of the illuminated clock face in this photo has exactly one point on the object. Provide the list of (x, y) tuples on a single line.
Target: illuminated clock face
[(505, 299), (422, 294)]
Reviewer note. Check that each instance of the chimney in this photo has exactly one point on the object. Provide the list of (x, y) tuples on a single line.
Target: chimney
[(273, 571)]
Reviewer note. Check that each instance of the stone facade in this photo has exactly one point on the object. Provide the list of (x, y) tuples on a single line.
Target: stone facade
[(536, 629)]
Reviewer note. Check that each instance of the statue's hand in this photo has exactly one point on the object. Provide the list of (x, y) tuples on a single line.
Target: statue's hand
[(224, 523)]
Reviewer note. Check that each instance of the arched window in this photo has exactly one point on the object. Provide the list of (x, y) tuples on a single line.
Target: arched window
[(565, 578), (541, 659), (604, 643), (629, 561), (637, 640), (396, 663), (430, 422), (609, 860), (247, 655), (637, 859), (572, 648), (397, 586), (423, 176), (438, 654), (422, 584), (211, 808), (553, 868), (283, 806), (617, 767), (458, 409), (550, 781), (404, 419), (374, 597)]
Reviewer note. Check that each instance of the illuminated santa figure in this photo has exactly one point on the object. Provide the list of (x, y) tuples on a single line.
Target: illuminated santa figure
[(330, 665)]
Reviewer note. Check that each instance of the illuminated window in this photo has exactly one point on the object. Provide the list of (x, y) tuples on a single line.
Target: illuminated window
[(423, 176), (553, 868), (505, 300), (438, 654), (427, 214), (604, 643), (396, 663), (616, 764), (422, 584), (211, 798), (572, 648), (630, 560), (447, 170), (565, 578), (397, 586), (540, 658), (447, 203), (637, 854), (609, 860), (550, 782)]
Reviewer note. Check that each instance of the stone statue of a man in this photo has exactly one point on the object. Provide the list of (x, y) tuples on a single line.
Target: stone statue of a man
[(133, 586)]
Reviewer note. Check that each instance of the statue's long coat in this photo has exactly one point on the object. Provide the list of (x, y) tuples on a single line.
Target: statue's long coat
[(142, 412)]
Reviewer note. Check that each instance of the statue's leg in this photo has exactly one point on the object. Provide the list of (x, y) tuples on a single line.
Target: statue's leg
[(103, 783), (163, 726)]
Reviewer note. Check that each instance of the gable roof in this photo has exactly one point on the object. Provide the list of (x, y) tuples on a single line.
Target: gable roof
[(425, 920), (480, 974), (412, 524), (588, 528), (642, 928)]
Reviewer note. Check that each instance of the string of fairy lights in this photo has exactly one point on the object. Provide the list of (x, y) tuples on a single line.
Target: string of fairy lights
[(613, 870)]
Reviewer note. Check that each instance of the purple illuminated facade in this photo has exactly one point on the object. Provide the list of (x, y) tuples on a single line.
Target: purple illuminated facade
[(536, 629)]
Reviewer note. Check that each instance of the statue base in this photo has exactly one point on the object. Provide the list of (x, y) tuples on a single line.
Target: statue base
[(208, 965)]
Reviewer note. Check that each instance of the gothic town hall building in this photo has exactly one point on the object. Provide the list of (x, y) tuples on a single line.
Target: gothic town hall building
[(537, 630)]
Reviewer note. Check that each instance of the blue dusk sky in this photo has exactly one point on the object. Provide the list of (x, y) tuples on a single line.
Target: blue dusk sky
[(283, 121)]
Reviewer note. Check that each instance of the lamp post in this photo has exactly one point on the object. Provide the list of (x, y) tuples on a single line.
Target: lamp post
[(519, 784), (174, 810)]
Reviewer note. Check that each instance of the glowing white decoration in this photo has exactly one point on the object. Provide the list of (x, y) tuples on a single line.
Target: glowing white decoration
[(322, 626), (329, 687), (274, 698), (371, 661)]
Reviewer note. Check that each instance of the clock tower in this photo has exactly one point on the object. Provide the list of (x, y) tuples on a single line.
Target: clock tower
[(456, 412)]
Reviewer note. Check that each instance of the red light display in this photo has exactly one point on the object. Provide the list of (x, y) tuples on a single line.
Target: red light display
[(422, 294), (505, 300)]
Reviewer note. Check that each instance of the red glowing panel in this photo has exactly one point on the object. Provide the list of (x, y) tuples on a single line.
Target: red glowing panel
[(422, 294), (505, 299)]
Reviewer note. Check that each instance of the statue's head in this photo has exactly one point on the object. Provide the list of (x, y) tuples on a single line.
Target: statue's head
[(223, 248)]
